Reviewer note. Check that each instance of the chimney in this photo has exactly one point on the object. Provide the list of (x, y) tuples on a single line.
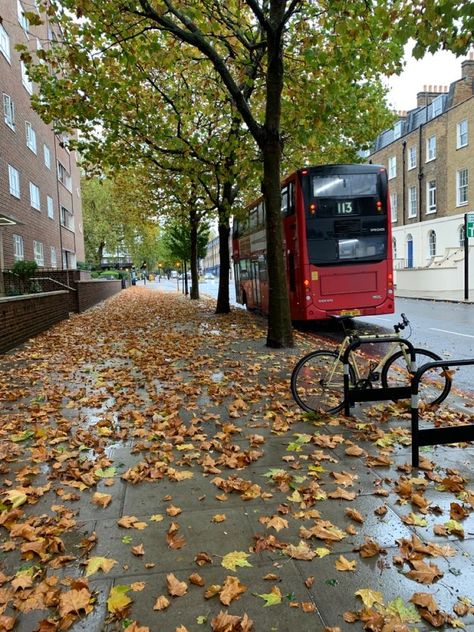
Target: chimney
[(467, 67)]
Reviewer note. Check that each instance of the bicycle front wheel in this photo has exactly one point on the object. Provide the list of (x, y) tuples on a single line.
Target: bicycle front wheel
[(317, 382), (435, 384)]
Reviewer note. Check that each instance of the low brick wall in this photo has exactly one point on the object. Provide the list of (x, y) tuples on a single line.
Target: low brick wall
[(22, 317), (91, 292)]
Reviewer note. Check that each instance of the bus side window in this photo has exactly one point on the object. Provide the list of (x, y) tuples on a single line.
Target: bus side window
[(284, 201), (291, 198)]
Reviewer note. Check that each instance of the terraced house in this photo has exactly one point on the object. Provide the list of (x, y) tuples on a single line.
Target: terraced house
[(429, 155), (40, 202)]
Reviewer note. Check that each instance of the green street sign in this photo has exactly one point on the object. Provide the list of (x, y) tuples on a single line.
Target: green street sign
[(470, 224)]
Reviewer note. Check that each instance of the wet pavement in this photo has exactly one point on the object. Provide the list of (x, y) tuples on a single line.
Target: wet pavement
[(156, 475)]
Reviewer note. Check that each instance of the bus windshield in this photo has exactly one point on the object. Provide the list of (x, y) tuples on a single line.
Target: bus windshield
[(346, 219)]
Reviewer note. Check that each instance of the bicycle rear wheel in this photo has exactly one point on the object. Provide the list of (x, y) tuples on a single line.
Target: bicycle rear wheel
[(317, 382), (435, 384)]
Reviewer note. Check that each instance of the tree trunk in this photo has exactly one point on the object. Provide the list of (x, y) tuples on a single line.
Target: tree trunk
[(279, 333), (194, 222), (223, 303)]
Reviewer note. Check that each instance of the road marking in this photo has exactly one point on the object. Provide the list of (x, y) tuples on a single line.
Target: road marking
[(455, 333)]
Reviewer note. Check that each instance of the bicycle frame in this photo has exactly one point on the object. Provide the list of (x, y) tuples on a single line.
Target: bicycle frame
[(396, 344)]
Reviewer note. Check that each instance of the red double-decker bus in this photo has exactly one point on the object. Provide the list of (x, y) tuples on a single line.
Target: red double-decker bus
[(337, 244)]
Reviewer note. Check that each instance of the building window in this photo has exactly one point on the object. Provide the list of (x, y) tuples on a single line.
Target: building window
[(47, 156), (397, 130), (431, 196), (38, 253), (9, 111), (4, 43), (394, 206), (461, 233), (461, 187), (67, 218), (412, 158), (394, 247), (50, 205), (30, 137), (461, 134), (54, 259), (431, 243), (392, 167), (18, 248), (14, 181), (22, 19), (412, 209), (35, 196), (431, 148), (63, 176), (26, 81)]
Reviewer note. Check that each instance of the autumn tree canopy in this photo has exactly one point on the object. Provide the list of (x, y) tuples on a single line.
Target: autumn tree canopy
[(297, 73)]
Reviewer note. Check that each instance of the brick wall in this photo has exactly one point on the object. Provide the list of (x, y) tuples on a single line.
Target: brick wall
[(22, 317), (91, 292)]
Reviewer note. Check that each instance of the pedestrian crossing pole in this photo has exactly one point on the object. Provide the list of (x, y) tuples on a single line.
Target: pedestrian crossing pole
[(468, 232)]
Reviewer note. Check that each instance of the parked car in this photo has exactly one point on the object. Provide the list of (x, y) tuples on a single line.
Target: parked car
[(209, 276)]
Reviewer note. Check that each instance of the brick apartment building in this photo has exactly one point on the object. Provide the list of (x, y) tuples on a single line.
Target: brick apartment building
[(40, 203), (429, 156)]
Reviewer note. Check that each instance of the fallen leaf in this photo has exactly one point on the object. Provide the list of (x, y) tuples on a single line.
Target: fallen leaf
[(234, 559), (272, 598), (231, 590), (175, 587), (343, 564), (161, 603), (95, 564)]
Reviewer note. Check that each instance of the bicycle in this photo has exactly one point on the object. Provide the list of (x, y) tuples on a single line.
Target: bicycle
[(317, 381)]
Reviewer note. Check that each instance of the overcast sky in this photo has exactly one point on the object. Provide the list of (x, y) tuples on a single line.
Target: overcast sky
[(442, 68)]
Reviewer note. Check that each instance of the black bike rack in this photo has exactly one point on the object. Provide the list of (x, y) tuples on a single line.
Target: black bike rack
[(353, 394), (434, 436)]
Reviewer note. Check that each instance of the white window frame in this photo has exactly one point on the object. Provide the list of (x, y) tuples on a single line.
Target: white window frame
[(412, 202), (431, 195), (412, 158), (25, 80), (9, 111), (392, 167), (35, 200), (5, 44), (18, 248), (462, 184), (47, 156), (397, 130), (394, 247), (461, 233), (38, 250), (50, 206), (431, 244), (394, 206), (30, 137), (462, 134), (431, 148), (66, 218), (64, 176), (14, 181), (53, 257), (22, 19)]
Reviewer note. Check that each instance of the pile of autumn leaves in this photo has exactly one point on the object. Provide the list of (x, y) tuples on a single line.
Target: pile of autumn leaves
[(37, 433)]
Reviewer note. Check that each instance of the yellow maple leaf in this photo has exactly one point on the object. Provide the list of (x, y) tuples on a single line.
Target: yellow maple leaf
[(343, 564), (369, 596), (118, 599), (234, 559), (95, 564)]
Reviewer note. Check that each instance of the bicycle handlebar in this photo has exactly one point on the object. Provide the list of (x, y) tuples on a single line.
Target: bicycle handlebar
[(401, 326)]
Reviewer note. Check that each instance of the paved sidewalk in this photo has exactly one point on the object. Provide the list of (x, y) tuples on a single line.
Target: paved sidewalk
[(156, 475)]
